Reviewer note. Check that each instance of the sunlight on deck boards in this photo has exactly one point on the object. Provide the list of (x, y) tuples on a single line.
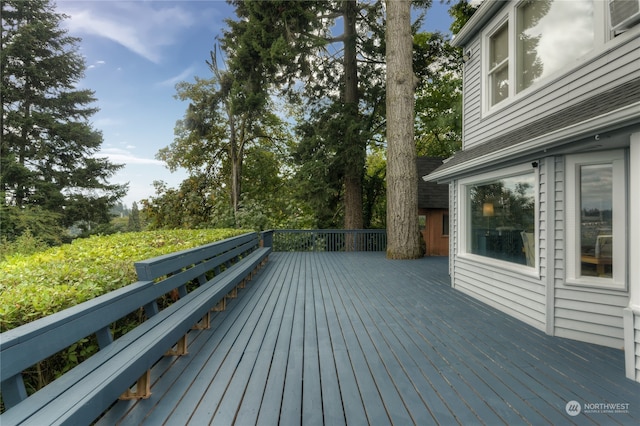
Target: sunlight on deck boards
[(353, 338)]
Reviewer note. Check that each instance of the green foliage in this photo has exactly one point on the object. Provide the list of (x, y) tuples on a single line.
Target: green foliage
[(461, 12), (40, 223), (438, 107), (48, 145), (37, 285), (25, 245), (134, 223)]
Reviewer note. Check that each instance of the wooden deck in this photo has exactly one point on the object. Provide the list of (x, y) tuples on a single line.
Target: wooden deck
[(353, 338)]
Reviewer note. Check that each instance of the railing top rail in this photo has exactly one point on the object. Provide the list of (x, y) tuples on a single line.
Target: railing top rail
[(326, 239)]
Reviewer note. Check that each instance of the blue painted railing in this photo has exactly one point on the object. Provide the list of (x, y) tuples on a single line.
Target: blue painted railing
[(326, 239)]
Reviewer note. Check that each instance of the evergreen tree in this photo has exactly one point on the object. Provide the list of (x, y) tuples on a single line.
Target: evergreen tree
[(48, 145), (134, 219), (292, 41)]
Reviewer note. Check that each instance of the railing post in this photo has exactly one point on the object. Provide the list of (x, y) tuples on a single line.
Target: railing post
[(267, 238)]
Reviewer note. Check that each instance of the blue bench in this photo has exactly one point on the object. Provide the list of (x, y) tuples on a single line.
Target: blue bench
[(82, 394)]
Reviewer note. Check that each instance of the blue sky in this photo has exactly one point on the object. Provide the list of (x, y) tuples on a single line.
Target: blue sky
[(135, 52)]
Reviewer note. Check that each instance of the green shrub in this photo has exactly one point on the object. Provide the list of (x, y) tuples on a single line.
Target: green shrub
[(39, 284)]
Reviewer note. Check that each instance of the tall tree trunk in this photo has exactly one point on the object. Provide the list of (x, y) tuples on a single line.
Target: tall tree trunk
[(354, 151), (236, 164), (403, 239)]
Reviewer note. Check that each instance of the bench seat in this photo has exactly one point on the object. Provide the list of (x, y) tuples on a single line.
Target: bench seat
[(82, 394)]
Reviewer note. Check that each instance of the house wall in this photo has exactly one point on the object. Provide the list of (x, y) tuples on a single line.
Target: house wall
[(520, 295), (599, 72), (632, 312), (544, 299)]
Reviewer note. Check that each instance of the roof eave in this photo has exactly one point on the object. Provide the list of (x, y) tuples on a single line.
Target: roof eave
[(485, 12), (604, 122)]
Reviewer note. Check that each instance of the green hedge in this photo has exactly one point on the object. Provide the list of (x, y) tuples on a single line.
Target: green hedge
[(46, 282)]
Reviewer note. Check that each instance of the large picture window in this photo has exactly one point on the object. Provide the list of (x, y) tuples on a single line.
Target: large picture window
[(500, 219), (596, 217)]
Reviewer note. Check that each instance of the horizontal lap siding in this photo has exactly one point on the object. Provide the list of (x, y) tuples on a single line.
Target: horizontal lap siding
[(600, 73), (582, 313), (520, 297), (472, 104), (636, 339)]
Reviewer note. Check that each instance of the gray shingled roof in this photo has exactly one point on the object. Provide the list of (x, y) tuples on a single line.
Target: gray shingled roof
[(602, 103), (430, 194)]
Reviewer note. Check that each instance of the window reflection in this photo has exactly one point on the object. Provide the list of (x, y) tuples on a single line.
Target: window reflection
[(499, 64), (503, 219), (550, 35), (596, 225)]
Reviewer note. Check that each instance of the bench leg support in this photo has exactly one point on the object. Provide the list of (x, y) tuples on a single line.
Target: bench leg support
[(221, 306), (233, 293), (143, 388), (181, 348), (204, 323)]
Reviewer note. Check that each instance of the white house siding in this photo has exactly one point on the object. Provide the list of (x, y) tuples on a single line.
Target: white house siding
[(519, 295), (632, 344), (545, 302), (471, 104), (512, 293), (582, 313), (602, 71), (590, 315), (453, 226)]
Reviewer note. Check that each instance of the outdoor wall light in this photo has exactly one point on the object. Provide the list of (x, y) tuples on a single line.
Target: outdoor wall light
[(466, 56)]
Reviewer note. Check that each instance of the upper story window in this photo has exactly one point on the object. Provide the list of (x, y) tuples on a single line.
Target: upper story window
[(551, 35), (535, 39), (499, 64)]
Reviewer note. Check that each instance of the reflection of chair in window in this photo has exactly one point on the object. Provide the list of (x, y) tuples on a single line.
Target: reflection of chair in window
[(603, 254), (529, 247)]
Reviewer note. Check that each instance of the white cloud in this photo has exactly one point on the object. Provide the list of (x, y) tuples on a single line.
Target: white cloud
[(142, 27), (123, 156), (96, 64), (184, 75)]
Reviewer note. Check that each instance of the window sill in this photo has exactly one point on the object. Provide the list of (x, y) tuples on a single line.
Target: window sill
[(596, 283), (527, 271)]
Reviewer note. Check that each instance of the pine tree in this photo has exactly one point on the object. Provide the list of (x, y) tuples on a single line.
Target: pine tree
[(48, 145), (134, 219)]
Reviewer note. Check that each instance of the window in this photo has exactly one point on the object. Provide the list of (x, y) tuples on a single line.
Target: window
[(536, 39), (499, 64), (596, 219), (551, 35), (500, 216)]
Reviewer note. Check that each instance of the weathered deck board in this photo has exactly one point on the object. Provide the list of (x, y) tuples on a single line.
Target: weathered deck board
[(352, 338)]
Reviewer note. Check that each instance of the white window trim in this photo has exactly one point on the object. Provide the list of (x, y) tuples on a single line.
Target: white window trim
[(572, 243), (464, 219), (602, 35)]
